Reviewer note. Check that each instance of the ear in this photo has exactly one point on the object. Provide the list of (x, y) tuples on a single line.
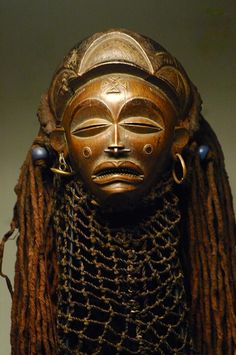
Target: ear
[(181, 138), (58, 140)]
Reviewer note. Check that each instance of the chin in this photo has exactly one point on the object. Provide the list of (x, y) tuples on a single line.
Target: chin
[(118, 198)]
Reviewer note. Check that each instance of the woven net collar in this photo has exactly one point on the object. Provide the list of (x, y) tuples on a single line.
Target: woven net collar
[(120, 287)]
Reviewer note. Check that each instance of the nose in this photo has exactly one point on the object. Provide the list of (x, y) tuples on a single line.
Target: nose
[(116, 147)]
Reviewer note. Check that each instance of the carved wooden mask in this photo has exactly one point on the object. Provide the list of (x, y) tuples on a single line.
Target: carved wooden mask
[(124, 103)]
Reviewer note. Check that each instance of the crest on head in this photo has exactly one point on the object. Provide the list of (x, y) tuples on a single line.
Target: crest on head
[(123, 51)]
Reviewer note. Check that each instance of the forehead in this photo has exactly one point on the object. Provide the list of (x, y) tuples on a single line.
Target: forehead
[(118, 87)]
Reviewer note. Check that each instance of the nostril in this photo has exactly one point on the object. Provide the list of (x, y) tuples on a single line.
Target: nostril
[(116, 148)]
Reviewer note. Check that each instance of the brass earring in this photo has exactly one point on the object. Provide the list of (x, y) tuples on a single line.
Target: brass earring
[(184, 170), (63, 168)]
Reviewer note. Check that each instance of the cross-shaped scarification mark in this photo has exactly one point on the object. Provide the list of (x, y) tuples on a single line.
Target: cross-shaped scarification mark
[(114, 85)]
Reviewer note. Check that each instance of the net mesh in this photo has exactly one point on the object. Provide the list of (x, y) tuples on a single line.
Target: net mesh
[(120, 287)]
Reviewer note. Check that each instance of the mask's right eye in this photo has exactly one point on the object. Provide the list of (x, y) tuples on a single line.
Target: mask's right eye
[(90, 127)]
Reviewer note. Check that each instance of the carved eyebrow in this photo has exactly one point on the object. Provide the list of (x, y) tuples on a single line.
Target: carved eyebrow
[(141, 107)]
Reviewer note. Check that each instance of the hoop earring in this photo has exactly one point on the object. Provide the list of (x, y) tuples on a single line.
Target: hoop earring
[(184, 170), (63, 168)]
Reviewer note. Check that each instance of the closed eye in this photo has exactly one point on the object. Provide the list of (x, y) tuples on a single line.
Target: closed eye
[(141, 127), (90, 127)]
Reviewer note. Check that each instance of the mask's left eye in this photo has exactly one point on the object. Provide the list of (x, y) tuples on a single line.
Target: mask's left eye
[(141, 125), (90, 127)]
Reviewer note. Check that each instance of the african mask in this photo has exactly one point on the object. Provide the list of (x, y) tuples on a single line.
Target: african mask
[(120, 132), (154, 272), (123, 107)]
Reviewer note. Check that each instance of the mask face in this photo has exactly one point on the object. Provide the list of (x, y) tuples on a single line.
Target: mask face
[(120, 131)]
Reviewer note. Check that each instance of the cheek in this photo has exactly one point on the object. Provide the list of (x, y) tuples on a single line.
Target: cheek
[(162, 145), (155, 154), (79, 152), (152, 147), (82, 157), (148, 149), (84, 152), (87, 152)]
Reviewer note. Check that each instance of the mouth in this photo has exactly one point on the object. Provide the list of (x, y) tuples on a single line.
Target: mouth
[(124, 171)]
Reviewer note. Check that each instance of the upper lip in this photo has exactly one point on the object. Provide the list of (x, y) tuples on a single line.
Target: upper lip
[(121, 170)]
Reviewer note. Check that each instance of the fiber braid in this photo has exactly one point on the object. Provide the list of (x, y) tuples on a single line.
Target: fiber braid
[(210, 231), (33, 330)]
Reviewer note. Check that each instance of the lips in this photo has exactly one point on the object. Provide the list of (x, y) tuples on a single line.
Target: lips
[(125, 171)]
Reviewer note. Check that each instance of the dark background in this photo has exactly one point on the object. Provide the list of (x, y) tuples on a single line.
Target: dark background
[(34, 37)]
